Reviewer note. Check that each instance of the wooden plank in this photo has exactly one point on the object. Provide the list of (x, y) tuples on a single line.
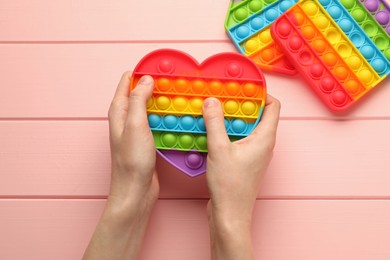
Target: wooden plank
[(317, 158), (62, 81), (99, 20), (319, 229)]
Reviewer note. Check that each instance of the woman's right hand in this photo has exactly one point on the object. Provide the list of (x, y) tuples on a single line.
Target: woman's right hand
[(234, 172)]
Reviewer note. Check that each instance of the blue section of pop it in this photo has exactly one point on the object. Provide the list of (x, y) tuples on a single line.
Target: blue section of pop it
[(190, 124), (357, 36), (258, 21)]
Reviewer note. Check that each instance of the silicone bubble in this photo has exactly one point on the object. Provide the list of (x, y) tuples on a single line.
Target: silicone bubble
[(383, 17), (348, 3), (193, 160), (232, 88), (163, 84), (255, 5), (196, 105), (215, 87), (198, 86), (327, 84), (154, 120), (163, 102), (352, 86), (338, 97), (372, 5), (320, 45), (238, 126)]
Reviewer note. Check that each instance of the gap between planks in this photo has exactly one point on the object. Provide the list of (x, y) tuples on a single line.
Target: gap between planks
[(282, 118), (281, 198), (118, 42)]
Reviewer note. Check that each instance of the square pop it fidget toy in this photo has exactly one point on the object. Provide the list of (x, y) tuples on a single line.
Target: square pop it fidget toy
[(248, 25), (181, 86), (341, 48)]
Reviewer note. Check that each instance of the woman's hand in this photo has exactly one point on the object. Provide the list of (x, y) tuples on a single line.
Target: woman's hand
[(133, 153), (234, 171), (134, 184)]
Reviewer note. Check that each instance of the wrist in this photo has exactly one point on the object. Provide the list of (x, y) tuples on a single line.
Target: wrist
[(230, 238)]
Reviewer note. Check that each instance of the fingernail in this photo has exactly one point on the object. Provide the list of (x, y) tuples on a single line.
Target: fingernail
[(145, 80), (210, 102)]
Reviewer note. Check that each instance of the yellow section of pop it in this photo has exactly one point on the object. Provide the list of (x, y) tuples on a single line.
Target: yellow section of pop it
[(257, 42), (180, 105)]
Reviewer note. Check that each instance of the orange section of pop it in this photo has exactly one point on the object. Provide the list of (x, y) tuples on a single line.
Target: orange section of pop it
[(179, 95)]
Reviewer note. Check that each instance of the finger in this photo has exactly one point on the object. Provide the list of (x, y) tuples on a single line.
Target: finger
[(118, 109), (270, 118), (217, 138), (136, 115)]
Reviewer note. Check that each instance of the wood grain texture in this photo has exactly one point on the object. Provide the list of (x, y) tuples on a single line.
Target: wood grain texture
[(316, 158), (62, 81), (122, 20), (282, 230)]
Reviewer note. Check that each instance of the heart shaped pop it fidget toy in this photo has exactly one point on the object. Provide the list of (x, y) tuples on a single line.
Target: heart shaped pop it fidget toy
[(340, 48), (181, 86), (248, 25)]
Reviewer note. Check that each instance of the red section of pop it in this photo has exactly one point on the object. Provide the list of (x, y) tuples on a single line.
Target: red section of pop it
[(223, 65)]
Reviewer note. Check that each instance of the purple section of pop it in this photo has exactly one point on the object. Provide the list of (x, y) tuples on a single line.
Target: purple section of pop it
[(382, 17), (191, 163), (372, 5)]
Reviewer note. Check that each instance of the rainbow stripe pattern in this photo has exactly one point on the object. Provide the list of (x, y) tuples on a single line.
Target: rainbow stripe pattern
[(181, 86), (337, 46)]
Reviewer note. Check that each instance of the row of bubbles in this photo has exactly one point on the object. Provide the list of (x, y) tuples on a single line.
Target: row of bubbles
[(185, 141), (182, 142), (184, 105), (190, 124), (208, 87)]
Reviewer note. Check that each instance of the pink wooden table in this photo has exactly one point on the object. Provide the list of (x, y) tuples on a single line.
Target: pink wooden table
[(325, 196)]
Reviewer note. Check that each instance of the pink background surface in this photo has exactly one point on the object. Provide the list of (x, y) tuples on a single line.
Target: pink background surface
[(326, 194)]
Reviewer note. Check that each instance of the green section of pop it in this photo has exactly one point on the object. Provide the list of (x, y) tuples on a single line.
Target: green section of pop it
[(182, 142), (240, 11), (369, 25)]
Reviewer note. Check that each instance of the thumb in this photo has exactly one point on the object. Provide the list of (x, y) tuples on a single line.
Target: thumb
[(138, 99), (217, 138)]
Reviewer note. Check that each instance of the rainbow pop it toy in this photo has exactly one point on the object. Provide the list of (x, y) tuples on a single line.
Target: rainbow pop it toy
[(181, 86), (248, 25), (337, 46)]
